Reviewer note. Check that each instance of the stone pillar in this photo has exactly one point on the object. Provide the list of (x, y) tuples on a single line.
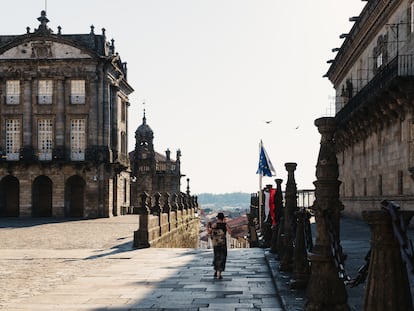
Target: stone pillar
[(281, 234), (286, 258), (141, 236), (196, 203), (326, 291), (278, 215), (180, 200), (301, 268), (174, 208), (174, 203), (156, 208), (166, 208), (388, 287)]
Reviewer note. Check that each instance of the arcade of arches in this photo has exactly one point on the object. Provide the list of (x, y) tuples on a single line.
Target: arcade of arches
[(42, 197)]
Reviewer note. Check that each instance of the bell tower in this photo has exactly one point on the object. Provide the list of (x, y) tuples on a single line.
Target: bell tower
[(143, 161)]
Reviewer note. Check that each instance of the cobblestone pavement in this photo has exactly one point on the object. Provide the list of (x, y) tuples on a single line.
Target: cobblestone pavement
[(90, 265)]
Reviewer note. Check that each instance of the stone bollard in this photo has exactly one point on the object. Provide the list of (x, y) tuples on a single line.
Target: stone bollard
[(277, 212), (326, 291), (286, 258), (387, 287), (301, 268), (166, 208), (141, 236), (281, 234), (174, 202), (175, 207)]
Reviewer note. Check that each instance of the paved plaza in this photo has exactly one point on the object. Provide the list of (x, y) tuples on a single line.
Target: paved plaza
[(90, 265)]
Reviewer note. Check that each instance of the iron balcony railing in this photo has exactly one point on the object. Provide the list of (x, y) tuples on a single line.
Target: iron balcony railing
[(399, 66)]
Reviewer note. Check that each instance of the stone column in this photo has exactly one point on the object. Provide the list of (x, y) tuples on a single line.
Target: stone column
[(278, 214), (326, 291), (388, 287), (289, 217), (301, 268), (166, 208), (174, 208), (141, 236), (174, 203), (156, 209)]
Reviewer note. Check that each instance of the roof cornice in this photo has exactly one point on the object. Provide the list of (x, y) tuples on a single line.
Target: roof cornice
[(372, 18)]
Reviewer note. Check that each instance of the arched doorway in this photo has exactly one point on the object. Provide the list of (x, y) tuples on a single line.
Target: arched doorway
[(42, 197), (9, 196), (74, 196)]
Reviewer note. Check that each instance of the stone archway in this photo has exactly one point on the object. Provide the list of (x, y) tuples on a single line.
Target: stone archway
[(74, 196), (9, 196), (42, 197)]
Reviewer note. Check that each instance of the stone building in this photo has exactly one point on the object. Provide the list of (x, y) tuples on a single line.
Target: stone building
[(152, 172), (373, 75), (63, 125)]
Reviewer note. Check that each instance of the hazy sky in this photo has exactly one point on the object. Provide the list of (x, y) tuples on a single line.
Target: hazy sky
[(211, 72)]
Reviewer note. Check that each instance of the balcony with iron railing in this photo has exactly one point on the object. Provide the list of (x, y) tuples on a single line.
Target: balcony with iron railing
[(399, 66)]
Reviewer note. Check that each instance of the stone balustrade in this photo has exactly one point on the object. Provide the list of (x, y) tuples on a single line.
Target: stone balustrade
[(167, 220)]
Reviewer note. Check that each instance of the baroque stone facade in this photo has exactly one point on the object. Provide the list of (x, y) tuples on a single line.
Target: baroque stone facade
[(152, 172), (63, 125), (373, 75)]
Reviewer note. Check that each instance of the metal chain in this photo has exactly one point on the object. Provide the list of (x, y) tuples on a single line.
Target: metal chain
[(336, 250), (340, 258), (362, 272), (400, 233)]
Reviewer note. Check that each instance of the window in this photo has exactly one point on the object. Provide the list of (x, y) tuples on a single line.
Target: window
[(77, 91), (45, 139), (12, 92), (380, 185), (123, 143), (400, 183), (123, 111), (77, 143), (379, 60), (365, 187), (125, 190), (45, 92), (412, 17), (12, 139)]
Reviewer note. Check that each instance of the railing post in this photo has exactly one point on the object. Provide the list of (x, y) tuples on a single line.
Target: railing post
[(141, 236), (388, 287), (277, 214), (326, 291), (301, 268), (290, 209), (166, 208)]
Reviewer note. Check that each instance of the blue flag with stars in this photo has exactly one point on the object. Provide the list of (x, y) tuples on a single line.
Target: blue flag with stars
[(265, 165)]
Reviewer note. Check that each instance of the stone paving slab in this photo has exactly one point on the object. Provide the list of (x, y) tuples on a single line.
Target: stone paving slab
[(143, 281), (113, 276)]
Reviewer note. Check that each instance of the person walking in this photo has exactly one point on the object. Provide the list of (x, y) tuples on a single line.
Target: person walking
[(218, 232)]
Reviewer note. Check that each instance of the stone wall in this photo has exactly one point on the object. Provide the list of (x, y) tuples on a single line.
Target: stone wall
[(379, 167), (172, 225)]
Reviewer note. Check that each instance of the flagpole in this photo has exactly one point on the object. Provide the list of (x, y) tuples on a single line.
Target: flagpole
[(260, 191), (260, 201)]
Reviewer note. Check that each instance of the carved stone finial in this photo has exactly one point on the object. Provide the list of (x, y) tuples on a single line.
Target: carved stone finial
[(92, 29), (43, 28)]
